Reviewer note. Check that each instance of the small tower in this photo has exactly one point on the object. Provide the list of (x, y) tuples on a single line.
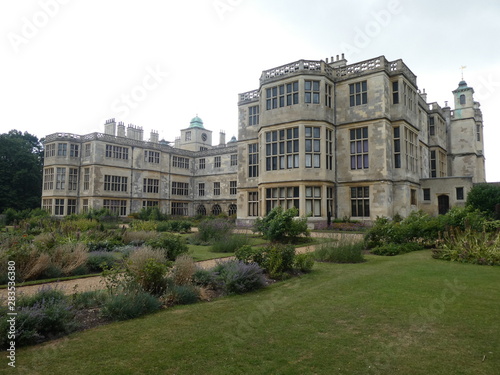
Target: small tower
[(466, 135), (195, 137)]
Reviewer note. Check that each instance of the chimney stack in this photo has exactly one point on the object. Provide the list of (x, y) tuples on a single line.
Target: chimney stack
[(222, 138)]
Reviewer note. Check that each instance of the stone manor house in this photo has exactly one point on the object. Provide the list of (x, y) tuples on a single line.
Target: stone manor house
[(330, 138)]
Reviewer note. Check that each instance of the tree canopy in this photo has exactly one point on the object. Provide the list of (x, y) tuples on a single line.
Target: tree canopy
[(21, 164), (486, 198)]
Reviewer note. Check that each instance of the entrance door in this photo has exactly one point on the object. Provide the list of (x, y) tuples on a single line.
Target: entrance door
[(443, 204)]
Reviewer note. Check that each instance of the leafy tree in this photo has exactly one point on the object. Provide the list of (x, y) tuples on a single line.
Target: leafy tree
[(281, 225), (21, 164), (486, 198)]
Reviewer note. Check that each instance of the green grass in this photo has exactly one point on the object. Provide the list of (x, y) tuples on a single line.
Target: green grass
[(199, 252), (408, 314)]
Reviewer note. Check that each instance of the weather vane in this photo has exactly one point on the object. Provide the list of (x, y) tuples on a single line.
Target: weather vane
[(462, 69)]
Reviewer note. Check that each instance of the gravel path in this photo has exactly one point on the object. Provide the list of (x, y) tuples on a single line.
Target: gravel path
[(97, 282)]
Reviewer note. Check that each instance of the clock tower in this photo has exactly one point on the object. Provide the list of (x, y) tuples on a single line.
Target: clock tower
[(195, 137)]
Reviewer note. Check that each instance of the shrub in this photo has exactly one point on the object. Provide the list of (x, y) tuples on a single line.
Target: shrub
[(204, 277), (148, 268), (278, 259), (396, 249), (303, 262), (69, 256), (183, 295), (485, 197), (280, 225), (212, 230), (146, 226), (230, 243), (129, 305), (249, 254), (98, 261), (238, 277), (183, 270), (45, 315), (138, 237), (470, 247), (345, 250), (179, 226), (88, 299), (173, 245)]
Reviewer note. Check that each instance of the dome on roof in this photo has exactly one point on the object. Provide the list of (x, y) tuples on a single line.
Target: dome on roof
[(233, 140), (196, 122)]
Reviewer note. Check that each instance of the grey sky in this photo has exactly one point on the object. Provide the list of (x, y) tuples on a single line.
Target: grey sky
[(68, 65)]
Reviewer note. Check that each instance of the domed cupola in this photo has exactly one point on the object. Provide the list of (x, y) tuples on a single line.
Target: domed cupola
[(196, 122)]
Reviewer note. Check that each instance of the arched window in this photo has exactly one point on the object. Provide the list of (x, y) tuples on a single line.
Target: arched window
[(216, 210), (201, 210), (232, 210), (462, 99)]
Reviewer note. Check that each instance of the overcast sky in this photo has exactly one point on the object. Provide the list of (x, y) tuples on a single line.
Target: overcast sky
[(69, 65)]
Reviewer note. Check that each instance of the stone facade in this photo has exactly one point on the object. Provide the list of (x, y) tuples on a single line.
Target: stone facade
[(351, 141)]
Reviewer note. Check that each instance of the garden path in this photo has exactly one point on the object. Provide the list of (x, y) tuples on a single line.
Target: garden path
[(97, 282)]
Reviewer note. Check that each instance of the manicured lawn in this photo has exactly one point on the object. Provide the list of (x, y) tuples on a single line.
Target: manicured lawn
[(199, 252), (407, 314)]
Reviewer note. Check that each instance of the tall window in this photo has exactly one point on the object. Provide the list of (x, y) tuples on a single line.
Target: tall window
[(115, 183), (232, 210), (282, 95), (179, 208), (87, 148), (442, 164), (180, 188), (74, 150), (253, 203), (311, 92), (253, 160), (433, 163), (460, 193), (216, 188), (152, 157), (71, 206), (395, 92), (151, 185), (427, 194), (234, 159), (61, 178), (462, 99), (48, 179), (432, 129), (282, 149), (86, 178), (312, 146), (85, 205), (180, 162), (73, 179), (47, 205), (116, 152), (201, 163), (313, 200), (201, 189), (359, 148), (328, 95), (411, 150), (253, 115), (217, 162), (233, 187), (358, 93), (188, 136), (50, 150), (413, 197), (62, 149), (329, 200), (397, 147), (329, 149), (360, 201), (478, 132), (286, 197), (59, 207), (116, 206)]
